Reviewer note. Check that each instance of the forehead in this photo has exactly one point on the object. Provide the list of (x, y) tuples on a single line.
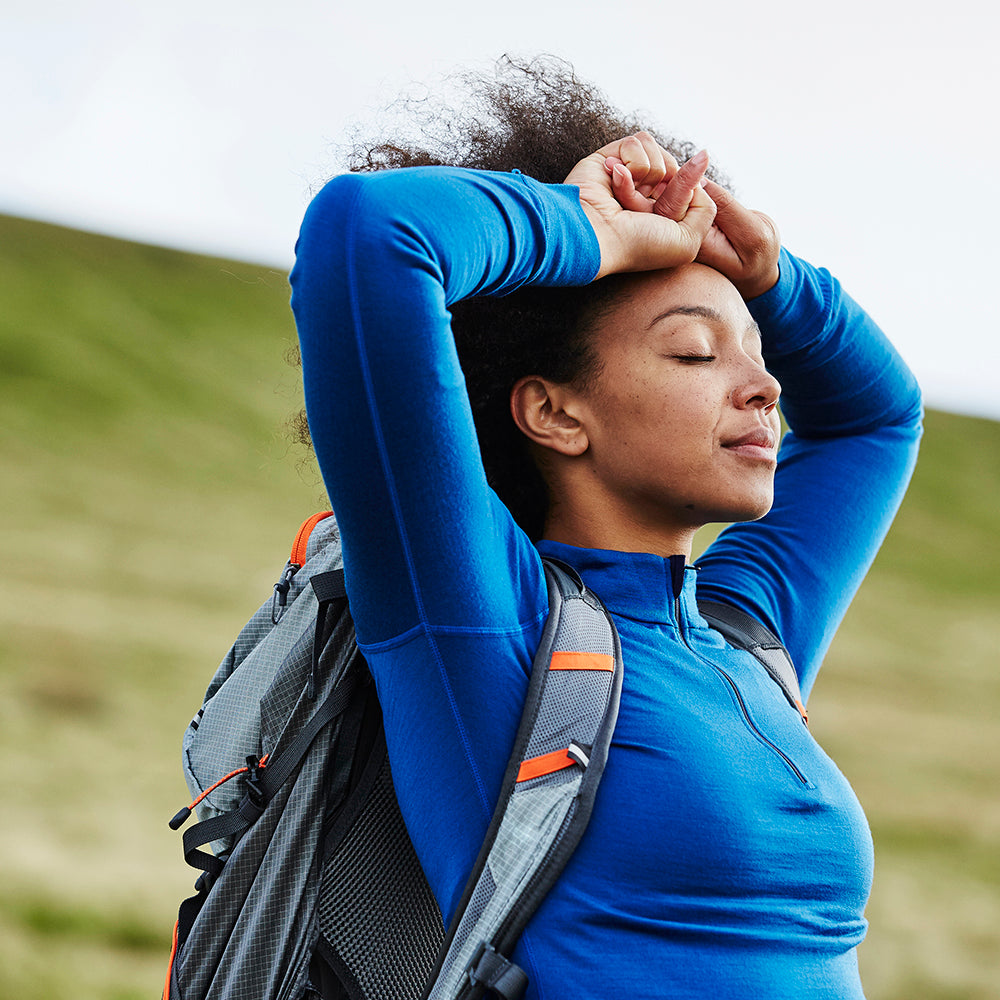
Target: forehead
[(692, 290)]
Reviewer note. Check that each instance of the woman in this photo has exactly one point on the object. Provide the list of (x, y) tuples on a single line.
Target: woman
[(726, 856)]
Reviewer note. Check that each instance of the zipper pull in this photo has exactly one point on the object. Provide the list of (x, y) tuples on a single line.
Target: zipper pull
[(254, 767)]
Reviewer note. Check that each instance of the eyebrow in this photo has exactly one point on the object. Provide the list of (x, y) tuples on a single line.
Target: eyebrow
[(703, 311)]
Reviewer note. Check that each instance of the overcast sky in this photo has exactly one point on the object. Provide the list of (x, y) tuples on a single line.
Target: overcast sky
[(868, 130)]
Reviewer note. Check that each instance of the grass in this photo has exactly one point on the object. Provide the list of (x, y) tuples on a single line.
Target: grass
[(907, 704), (150, 492)]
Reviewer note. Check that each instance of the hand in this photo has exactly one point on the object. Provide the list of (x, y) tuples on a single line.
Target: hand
[(619, 186), (742, 244)]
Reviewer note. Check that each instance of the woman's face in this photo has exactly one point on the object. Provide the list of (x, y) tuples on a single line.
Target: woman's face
[(681, 417)]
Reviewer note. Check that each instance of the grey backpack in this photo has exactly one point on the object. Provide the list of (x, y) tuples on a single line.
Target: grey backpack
[(312, 888)]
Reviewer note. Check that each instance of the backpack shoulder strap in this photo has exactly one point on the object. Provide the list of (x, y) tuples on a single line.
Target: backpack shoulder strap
[(745, 632), (547, 794)]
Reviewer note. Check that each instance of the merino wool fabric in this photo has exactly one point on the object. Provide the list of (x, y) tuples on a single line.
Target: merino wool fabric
[(727, 857)]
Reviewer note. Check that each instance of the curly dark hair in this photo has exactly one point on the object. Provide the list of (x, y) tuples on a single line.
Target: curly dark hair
[(538, 117)]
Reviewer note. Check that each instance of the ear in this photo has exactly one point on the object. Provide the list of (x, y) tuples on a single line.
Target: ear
[(545, 412)]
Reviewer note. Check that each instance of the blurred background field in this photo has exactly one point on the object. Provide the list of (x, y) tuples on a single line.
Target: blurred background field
[(150, 496)]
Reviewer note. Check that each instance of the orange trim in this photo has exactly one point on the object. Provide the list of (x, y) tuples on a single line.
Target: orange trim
[(170, 964), (562, 660), (547, 763), (803, 711), (298, 556)]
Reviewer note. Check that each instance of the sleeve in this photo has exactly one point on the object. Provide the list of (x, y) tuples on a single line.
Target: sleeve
[(854, 415), (380, 257)]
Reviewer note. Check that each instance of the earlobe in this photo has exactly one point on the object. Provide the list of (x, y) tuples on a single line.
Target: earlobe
[(543, 412)]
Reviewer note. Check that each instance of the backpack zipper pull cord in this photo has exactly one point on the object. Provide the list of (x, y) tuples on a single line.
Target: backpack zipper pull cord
[(178, 820), (281, 588)]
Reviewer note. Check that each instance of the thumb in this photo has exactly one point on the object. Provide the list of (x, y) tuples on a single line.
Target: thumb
[(677, 196), (662, 242)]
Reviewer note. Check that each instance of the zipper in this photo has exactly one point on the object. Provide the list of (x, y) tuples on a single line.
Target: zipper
[(739, 698), (746, 715), (298, 556)]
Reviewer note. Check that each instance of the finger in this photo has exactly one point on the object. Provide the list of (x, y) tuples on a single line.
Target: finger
[(658, 190), (657, 157), (672, 166), (700, 215), (729, 208), (678, 242), (652, 193), (653, 157), (750, 232), (624, 190), (675, 199), (633, 154)]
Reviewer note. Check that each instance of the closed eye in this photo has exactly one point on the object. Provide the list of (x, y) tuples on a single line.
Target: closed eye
[(693, 359)]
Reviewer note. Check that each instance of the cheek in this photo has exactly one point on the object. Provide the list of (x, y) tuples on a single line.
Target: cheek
[(638, 404)]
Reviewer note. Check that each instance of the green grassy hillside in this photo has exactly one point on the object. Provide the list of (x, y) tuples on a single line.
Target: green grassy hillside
[(143, 397)]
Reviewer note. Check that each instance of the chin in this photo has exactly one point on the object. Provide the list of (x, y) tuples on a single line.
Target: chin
[(746, 509)]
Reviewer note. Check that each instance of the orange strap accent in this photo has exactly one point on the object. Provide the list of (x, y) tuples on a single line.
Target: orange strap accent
[(581, 661), (547, 763), (170, 964), (803, 711), (298, 556)]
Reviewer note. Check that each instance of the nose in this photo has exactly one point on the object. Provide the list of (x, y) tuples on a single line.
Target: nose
[(759, 390)]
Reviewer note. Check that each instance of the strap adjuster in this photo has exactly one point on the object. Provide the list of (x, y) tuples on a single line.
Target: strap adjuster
[(492, 971)]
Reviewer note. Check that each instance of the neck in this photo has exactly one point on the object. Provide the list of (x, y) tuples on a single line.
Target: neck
[(619, 531)]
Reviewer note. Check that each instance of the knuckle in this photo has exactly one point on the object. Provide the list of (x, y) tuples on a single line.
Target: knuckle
[(764, 242), (772, 235)]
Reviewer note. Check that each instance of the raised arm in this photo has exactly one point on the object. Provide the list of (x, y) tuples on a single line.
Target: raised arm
[(854, 412), (380, 258)]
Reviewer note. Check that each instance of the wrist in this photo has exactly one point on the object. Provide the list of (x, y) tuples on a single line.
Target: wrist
[(771, 308)]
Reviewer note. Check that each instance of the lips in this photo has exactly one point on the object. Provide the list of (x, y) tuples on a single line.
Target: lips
[(758, 443)]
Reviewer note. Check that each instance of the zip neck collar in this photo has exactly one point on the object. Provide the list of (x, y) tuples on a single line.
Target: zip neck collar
[(636, 585)]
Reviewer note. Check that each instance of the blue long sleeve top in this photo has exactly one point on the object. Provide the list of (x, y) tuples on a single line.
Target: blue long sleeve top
[(727, 856)]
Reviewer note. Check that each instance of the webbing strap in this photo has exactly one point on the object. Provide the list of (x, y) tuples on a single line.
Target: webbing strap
[(329, 586), (330, 590), (230, 824)]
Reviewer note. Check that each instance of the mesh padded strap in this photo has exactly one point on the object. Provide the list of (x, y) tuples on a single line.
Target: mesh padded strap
[(540, 818)]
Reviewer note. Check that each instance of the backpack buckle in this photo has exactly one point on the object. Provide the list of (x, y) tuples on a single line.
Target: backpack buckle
[(492, 971), (255, 793)]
